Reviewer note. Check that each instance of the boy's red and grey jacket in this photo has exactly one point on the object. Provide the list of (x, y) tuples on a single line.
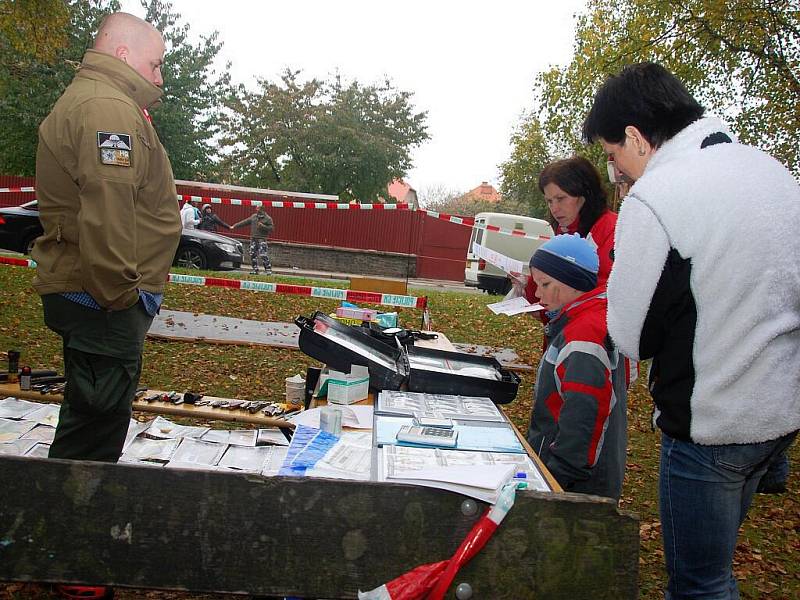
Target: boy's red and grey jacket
[(579, 423)]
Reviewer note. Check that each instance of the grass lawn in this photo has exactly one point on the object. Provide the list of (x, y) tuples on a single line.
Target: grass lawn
[(768, 556)]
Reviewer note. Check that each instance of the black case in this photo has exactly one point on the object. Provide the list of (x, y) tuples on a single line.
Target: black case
[(340, 346)]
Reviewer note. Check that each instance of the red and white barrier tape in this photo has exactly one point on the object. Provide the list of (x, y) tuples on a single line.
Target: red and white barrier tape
[(17, 189), (17, 262), (275, 288), (290, 204), (513, 232), (466, 221), (303, 290)]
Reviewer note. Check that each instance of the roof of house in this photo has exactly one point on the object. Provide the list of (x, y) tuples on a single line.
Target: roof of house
[(399, 189), (484, 191)]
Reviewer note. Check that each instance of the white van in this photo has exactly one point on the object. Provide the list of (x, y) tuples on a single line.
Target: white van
[(478, 273)]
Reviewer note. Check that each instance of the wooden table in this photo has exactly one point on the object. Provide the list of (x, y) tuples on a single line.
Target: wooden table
[(129, 525)]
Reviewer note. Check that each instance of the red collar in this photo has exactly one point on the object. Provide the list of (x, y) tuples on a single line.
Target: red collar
[(571, 228)]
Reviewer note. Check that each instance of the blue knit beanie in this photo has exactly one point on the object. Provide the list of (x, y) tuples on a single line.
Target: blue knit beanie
[(569, 259)]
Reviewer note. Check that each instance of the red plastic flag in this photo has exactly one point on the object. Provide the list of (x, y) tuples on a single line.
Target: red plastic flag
[(431, 581)]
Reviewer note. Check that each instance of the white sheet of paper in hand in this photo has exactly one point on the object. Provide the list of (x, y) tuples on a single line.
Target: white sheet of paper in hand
[(514, 306)]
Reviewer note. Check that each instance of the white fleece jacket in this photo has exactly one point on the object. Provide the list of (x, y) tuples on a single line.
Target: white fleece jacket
[(711, 206)]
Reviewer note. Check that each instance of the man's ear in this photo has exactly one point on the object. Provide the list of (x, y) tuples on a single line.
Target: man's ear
[(122, 53), (636, 137)]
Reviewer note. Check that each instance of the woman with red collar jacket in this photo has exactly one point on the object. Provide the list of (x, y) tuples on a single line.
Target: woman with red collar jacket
[(578, 203)]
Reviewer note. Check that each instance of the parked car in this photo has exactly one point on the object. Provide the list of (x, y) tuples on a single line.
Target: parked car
[(482, 275), (20, 226)]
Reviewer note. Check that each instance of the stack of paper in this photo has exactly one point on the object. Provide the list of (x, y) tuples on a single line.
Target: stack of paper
[(420, 466), (462, 408), (480, 475)]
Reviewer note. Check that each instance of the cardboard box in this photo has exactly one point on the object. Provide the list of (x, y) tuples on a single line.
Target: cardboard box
[(346, 388)]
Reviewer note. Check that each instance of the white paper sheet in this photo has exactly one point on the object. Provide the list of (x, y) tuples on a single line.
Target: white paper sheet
[(40, 433), (219, 436), (514, 306), (147, 449), (11, 430), (40, 450), (15, 408), (350, 458), (511, 266), (465, 472), (166, 429), (198, 452), (243, 437), (245, 458), (275, 460), (357, 417), (17, 447), (461, 408), (271, 437), (45, 414), (134, 428)]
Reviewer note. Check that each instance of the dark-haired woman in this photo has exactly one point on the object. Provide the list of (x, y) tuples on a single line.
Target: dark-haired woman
[(713, 304), (578, 203)]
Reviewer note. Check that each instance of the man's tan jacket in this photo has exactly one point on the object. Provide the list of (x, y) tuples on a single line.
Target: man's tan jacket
[(107, 198)]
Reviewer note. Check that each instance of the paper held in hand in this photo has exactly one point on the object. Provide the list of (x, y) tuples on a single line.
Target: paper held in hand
[(514, 306), (509, 265)]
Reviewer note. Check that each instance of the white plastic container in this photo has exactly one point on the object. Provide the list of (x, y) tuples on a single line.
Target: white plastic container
[(295, 390), (330, 420)]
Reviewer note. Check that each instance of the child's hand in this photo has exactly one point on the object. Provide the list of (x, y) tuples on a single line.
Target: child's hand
[(518, 282)]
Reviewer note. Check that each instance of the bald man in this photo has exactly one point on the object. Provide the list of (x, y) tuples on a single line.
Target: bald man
[(107, 203)]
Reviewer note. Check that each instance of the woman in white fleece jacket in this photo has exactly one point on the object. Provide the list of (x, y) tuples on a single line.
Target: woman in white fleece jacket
[(715, 306)]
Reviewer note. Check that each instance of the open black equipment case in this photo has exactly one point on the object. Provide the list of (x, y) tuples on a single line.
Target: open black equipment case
[(415, 369)]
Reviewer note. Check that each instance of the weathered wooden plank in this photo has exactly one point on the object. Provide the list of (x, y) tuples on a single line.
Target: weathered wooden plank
[(384, 285), (158, 407), (227, 532)]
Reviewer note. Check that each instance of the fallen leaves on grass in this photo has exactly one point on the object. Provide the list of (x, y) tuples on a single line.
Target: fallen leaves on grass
[(767, 558)]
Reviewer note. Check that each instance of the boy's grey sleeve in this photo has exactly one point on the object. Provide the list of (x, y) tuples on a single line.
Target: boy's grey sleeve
[(587, 396)]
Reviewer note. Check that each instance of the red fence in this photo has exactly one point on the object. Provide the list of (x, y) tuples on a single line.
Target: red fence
[(440, 246)]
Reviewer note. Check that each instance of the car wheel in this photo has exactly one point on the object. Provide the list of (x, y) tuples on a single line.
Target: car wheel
[(191, 258)]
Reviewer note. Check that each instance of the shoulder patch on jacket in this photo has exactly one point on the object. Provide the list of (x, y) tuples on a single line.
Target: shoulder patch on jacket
[(115, 148)]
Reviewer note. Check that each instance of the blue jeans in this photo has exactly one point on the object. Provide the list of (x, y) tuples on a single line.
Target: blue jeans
[(704, 495)]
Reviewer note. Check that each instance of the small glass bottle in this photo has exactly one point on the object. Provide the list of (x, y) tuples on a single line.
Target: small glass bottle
[(25, 378), (13, 366)]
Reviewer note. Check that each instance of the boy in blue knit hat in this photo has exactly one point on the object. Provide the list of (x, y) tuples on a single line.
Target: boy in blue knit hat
[(579, 424)]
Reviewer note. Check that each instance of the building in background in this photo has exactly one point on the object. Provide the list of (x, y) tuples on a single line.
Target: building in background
[(403, 192), (483, 193)]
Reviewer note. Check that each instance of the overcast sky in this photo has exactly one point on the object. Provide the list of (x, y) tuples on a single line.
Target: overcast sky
[(471, 65)]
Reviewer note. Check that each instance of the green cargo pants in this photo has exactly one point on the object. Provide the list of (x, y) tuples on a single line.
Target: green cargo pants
[(102, 365)]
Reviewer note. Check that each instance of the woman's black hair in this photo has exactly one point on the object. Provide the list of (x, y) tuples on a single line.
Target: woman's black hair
[(577, 177), (646, 96)]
